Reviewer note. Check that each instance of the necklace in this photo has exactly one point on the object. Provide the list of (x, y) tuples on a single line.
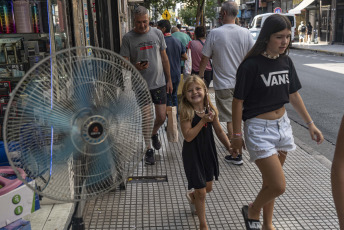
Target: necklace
[(200, 112), (269, 56)]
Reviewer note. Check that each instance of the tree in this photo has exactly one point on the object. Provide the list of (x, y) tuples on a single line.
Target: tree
[(198, 5), (210, 10), (188, 15), (157, 7)]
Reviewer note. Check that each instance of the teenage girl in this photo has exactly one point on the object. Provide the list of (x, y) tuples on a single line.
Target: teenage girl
[(337, 176), (198, 117), (266, 80)]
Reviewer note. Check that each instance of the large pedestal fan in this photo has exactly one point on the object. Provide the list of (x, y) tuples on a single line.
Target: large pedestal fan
[(76, 123)]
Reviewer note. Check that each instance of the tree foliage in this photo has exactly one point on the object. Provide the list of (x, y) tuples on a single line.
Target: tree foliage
[(189, 13), (157, 7), (193, 12), (210, 10)]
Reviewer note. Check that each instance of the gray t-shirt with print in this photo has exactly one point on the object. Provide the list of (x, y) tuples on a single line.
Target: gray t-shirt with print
[(146, 46)]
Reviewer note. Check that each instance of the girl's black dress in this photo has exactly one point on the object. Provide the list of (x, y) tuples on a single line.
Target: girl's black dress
[(200, 157)]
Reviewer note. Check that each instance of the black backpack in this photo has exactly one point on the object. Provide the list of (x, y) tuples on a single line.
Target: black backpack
[(303, 29)]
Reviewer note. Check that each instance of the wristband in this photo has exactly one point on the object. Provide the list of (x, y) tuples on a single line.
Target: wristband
[(311, 122)]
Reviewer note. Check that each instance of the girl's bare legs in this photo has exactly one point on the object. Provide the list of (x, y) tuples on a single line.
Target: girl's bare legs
[(269, 207), (273, 186), (199, 195)]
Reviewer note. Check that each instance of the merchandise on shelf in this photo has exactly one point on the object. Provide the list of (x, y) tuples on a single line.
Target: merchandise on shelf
[(7, 23)]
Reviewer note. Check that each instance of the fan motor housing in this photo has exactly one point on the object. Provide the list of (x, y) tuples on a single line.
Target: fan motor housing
[(94, 130)]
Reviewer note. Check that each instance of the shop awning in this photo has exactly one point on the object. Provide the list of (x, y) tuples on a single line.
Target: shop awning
[(301, 6)]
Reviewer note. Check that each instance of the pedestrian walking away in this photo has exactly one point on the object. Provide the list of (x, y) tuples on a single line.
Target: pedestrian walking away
[(337, 176), (227, 46), (175, 52), (266, 81), (184, 38), (309, 32), (145, 48), (198, 117), (196, 47), (302, 32)]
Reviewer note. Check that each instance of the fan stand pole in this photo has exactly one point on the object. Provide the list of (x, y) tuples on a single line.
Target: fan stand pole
[(77, 220)]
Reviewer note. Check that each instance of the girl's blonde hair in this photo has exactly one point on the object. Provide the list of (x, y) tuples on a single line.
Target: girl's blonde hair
[(186, 111)]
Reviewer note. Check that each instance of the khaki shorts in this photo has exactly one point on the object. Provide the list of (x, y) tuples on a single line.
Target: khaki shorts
[(224, 99)]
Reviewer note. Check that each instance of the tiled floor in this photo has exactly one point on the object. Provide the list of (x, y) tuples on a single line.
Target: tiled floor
[(306, 204)]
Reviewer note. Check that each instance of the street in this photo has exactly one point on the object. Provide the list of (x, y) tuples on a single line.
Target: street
[(322, 79)]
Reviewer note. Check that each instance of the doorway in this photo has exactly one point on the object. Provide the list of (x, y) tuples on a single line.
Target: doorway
[(340, 26)]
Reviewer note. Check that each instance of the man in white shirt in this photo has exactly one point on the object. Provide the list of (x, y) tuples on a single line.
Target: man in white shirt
[(227, 46)]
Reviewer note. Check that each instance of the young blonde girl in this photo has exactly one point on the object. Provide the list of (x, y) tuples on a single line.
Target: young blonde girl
[(198, 117)]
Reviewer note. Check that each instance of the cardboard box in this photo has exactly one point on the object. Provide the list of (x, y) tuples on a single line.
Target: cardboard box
[(16, 204)]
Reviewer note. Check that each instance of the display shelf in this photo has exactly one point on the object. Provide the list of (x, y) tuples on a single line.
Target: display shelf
[(26, 35)]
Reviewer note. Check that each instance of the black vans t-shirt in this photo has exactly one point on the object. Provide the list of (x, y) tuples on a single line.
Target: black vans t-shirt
[(265, 84)]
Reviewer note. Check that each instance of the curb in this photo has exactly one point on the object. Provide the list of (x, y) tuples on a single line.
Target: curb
[(56, 216), (322, 159), (319, 51)]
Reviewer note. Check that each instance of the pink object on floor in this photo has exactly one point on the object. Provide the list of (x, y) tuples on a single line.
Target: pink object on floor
[(9, 185)]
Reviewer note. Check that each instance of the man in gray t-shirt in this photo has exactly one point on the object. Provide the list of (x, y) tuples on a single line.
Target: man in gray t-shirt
[(227, 46), (145, 48)]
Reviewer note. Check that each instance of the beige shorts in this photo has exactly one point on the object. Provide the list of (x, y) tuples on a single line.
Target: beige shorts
[(224, 99)]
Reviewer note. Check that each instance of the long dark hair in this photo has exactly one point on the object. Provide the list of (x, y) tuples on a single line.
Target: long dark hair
[(273, 24), (200, 32)]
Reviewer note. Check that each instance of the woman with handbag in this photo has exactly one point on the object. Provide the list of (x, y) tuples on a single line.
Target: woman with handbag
[(196, 47)]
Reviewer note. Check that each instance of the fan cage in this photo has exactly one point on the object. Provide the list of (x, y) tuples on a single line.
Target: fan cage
[(77, 123)]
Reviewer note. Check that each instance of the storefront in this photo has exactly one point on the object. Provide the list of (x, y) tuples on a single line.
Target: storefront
[(29, 32), (339, 28), (326, 17)]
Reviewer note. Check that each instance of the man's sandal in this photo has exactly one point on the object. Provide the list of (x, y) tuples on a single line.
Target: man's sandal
[(250, 224)]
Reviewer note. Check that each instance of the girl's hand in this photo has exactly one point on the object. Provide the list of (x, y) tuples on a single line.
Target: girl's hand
[(316, 134), (237, 145), (209, 117)]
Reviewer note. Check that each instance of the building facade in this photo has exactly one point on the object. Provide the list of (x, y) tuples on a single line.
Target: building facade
[(326, 16)]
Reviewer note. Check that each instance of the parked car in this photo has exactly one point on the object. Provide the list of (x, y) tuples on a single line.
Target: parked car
[(258, 21)]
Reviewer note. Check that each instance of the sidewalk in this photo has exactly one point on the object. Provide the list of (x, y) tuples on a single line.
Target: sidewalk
[(146, 204), (336, 49), (160, 201)]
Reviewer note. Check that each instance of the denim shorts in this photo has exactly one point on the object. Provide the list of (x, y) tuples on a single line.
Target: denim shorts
[(264, 138)]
